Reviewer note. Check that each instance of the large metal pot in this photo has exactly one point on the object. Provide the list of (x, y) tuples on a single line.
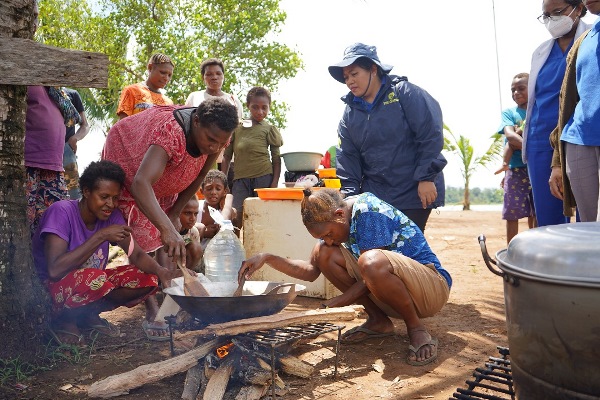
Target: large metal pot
[(259, 298), (552, 295)]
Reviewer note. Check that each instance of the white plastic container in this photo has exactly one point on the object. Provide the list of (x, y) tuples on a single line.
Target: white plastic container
[(224, 255), (275, 226)]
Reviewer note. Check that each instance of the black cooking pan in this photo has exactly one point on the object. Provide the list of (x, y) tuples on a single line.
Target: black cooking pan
[(259, 298)]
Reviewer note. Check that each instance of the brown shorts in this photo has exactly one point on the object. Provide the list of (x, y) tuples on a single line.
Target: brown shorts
[(427, 288)]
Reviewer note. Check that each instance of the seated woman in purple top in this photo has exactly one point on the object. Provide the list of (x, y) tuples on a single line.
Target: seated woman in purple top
[(70, 250)]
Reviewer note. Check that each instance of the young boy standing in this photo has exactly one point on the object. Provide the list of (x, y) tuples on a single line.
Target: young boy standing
[(255, 144), (518, 200)]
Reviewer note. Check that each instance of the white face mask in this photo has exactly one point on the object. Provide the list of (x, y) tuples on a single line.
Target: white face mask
[(560, 26)]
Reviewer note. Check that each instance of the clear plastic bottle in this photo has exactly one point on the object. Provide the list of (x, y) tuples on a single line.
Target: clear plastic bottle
[(224, 255)]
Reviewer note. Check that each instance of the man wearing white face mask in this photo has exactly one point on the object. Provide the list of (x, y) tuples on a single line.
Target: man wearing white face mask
[(562, 18), (575, 173)]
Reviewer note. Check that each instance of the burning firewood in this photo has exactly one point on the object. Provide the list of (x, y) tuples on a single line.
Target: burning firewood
[(264, 365), (254, 392), (258, 376), (217, 384), (193, 381), (208, 368)]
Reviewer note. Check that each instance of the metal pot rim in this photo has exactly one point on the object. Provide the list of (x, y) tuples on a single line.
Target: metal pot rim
[(512, 269)]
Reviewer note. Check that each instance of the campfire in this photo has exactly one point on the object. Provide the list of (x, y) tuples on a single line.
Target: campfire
[(250, 364), (243, 359)]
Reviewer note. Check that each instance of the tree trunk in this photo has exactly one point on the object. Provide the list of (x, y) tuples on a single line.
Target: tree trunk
[(22, 299), (467, 200)]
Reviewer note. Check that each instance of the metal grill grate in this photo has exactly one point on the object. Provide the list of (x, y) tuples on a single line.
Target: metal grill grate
[(280, 336), (493, 382), (271, 338), (277, 337)]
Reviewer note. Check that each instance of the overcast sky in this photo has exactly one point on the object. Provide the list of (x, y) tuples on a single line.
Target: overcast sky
[(447, 48)]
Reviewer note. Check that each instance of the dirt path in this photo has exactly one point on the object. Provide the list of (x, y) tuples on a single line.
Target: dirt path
[(469, 328)]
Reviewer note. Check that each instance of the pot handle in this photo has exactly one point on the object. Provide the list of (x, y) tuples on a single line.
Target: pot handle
[(275, 290), (486, 257)]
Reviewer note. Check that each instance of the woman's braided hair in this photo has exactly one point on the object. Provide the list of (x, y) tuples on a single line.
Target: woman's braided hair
[(318, 206), (160, 58)]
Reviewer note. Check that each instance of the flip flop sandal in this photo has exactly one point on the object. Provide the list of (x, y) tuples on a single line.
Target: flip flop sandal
[(368, 334), (147, 329), (433, 342), (104, 328), (55, 335)]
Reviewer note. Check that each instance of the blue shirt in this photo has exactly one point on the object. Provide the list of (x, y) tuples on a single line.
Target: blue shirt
[(584, 126), (377, 225), (544, 114), (511, 117)]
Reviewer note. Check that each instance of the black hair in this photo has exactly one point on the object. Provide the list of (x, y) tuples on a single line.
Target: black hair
[(258, 91), (366, 64), (101, 171), (319, 205), (194, 197), (211, 61), (575, 3), (159, 58), (218, 112), (214, 175), (521, 75)]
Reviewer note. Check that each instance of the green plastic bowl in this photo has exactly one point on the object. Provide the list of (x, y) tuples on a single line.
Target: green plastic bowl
[(302, 161)]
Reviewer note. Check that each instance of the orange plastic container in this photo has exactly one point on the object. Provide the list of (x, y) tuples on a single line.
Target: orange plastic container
[(294, 193), (327, 173), (332, 183), (279, 193)]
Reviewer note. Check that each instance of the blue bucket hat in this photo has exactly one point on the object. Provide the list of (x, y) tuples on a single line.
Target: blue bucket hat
[(353, 53)]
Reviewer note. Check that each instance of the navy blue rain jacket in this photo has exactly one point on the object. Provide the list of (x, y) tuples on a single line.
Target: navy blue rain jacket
[(390, 149)]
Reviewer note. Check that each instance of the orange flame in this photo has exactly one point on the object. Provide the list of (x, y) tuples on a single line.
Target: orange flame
[(224, 350)]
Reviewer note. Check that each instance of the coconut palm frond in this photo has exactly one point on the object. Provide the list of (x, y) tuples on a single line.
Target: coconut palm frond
[(470, 163)]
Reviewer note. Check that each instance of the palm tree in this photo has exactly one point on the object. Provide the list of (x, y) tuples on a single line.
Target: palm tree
[(462, 147)]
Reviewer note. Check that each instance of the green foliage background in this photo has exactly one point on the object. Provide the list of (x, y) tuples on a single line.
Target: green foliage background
[(469, 163), (242, 34)]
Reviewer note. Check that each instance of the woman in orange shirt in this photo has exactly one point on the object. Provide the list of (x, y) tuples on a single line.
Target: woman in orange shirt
[(143, 95)]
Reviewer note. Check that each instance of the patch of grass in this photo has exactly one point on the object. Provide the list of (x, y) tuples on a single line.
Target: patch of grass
[(70, 353), (15, 370)]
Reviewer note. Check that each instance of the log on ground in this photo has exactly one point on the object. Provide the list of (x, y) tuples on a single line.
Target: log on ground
[(120, 384), (280, 320)]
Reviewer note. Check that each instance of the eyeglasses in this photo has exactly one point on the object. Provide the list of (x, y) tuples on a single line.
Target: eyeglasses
[(544, 18)]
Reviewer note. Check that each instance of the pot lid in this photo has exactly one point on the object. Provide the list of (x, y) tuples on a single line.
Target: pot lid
[(567, 252)]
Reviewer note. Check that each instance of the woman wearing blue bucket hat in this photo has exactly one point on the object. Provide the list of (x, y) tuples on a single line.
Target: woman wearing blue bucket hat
[(390, 136)]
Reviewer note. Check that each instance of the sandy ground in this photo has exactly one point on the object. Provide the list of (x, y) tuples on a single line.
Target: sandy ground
[(469, 328)]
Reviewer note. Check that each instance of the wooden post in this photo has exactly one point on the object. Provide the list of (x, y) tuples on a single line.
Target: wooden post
[(23, 306)]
